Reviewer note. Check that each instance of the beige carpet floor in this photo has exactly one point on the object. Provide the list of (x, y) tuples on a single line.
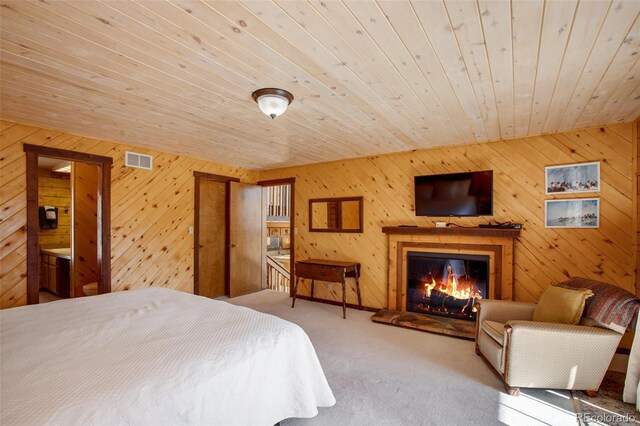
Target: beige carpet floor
[(385, 375)]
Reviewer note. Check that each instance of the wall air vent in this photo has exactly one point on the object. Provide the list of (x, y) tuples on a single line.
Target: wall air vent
[(139, 161)]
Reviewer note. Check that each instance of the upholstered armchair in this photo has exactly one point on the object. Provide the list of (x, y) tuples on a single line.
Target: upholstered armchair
[(528, 354)]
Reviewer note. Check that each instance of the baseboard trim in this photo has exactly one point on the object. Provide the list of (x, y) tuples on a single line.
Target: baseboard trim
[(337, 303)]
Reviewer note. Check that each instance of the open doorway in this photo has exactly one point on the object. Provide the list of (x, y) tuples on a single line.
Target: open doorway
[(68, 231), (279, 232), (228, 236)]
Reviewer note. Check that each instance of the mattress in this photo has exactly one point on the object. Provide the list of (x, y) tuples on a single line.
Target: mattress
[(154, 356)]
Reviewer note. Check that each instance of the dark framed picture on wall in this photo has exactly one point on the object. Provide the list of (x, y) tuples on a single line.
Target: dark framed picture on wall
[(572, 178), (574, 213)]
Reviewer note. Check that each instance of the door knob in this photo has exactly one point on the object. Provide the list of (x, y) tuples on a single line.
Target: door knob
[(232, 245)]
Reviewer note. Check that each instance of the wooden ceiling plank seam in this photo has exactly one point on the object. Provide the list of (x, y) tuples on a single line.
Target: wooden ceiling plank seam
[(124, 113), (494, 32), (396, 12), (337, 62), (581, 40), (4, 41), (34, 87), (332, 90), (525, 64), (625, 59), (382, 88), (14, 91), (465, 22), (113, 47), (5, 55), (627, 111), (327, 11), (362, 106), (333, 121), (370, 26), (141, 141), (614, 29), (622, 93), (210, 92), (558, 18), (465, 132)]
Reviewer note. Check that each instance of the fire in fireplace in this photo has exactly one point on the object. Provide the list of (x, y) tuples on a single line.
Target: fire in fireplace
[(446, 284)]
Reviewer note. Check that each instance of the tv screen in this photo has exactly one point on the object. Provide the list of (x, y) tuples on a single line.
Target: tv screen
[(455, 194)]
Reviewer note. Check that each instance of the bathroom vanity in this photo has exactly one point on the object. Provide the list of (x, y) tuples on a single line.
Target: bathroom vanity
[(55, 271)]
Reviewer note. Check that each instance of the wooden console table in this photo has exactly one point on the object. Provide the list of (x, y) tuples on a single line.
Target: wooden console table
[(329, 271)]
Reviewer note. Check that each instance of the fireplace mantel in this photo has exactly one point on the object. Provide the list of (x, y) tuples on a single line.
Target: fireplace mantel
[(499, 244), (451, 230)]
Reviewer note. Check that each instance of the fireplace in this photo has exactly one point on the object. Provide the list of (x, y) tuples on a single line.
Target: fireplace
[(446, 284)]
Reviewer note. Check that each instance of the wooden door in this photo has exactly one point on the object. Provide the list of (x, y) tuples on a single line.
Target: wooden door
[(212, 238), (84, 230), (246, 217)]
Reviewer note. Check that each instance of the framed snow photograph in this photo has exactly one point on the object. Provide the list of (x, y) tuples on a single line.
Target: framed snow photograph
[(576, 213), (572, 178)]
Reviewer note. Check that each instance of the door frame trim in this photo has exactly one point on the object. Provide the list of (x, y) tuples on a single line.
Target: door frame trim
[(292, 224), (196, 227), (33, 228)]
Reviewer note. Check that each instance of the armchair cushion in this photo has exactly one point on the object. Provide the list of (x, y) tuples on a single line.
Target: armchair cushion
[(561, 305)]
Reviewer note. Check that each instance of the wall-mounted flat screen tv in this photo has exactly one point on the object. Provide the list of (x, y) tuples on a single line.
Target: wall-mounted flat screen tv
[(455, 194)]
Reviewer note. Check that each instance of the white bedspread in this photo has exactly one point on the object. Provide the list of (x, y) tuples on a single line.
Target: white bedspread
[(154, 356)]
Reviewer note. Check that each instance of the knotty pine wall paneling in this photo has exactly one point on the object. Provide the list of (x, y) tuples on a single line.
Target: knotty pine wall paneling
[(54, 189), (151, 211), (542, 256)]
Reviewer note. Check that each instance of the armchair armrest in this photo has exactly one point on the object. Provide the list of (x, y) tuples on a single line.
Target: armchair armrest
[(504, 310), (558, 356), (553, 329)]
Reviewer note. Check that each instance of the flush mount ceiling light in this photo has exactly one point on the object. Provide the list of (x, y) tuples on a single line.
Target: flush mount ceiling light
[(273, 102)]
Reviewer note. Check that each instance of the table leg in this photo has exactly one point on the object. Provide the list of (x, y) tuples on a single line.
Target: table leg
[(344, 296), (295, 291), (313, 282), (358, 287)]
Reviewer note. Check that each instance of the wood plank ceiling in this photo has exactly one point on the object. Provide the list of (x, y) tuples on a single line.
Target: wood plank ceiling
[(368, 77)]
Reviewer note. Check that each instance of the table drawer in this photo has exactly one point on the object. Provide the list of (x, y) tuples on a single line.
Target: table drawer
[(319, 272)]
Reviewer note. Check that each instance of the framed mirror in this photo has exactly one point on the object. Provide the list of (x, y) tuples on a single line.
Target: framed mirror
[(335, 214)]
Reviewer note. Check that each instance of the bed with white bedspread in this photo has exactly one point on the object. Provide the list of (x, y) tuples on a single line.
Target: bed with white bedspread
[(154, 356)]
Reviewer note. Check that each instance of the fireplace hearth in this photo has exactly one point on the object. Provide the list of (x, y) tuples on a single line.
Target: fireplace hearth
[(446, 284)]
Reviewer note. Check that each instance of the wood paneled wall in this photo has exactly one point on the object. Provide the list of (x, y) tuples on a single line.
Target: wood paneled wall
[(151, 211), (542, 257), (54, 189)]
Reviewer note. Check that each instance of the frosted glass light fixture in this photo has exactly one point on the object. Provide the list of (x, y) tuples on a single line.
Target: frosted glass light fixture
[(62, 167), (273, 102)]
